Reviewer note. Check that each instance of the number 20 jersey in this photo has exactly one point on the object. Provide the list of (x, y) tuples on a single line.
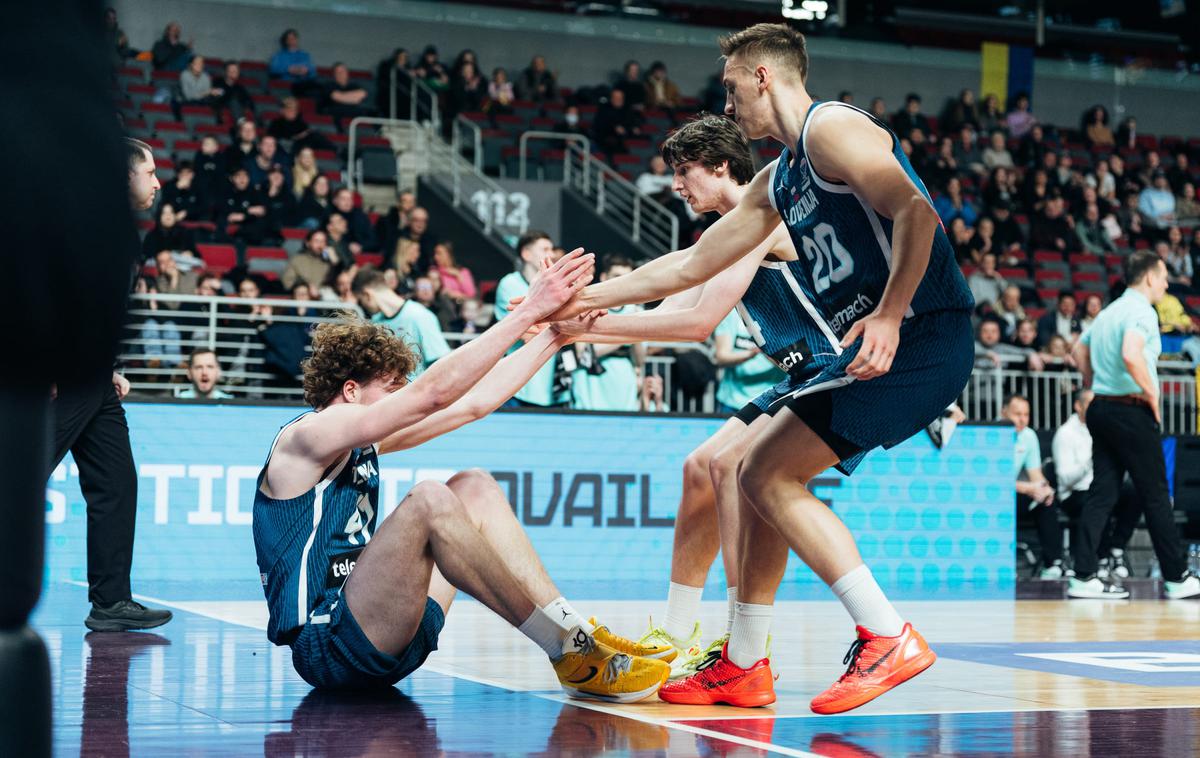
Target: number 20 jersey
[(845, 246)]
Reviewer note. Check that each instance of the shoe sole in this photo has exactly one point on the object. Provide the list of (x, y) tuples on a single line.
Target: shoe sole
[(744, 700), (898, 677), (1169, 596), (1105, 596), (113, 625), (622, 697)]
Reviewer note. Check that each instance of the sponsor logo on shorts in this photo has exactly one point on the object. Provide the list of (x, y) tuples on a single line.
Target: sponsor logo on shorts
[(794, 357), (340, 567), (855, 309)]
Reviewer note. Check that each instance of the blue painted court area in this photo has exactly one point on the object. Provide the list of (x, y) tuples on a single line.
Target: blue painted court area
[(1153, 663)]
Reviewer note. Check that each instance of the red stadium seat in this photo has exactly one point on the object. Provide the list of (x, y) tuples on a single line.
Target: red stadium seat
[(266, 252), (294, 233), (1047, 295), (252, 66), (164, 76), (218, 258), (370, 259), (1044, 256)]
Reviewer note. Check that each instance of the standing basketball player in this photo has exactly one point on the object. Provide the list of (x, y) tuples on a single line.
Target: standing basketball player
[(880, 273), (362, 606)]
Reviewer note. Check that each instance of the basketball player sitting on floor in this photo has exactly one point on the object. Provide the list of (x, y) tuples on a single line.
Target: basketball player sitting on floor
[(360, 603)]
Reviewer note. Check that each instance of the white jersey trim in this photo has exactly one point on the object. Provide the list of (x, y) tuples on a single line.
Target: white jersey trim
[(821, 323), (302, 575), (841, 189), (771, 185)]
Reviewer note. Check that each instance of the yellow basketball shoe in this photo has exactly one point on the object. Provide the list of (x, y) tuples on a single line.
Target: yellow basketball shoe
[(686, 650), (589, 670), (643, 648)]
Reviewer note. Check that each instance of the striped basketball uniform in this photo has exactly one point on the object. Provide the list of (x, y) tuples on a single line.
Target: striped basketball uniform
[(306, 548), (845, 251)]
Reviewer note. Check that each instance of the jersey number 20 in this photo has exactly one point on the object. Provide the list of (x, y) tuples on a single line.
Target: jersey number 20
[(831, 260)]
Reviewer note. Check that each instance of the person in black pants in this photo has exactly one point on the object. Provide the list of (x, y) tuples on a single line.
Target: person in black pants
[(1117, 357), (90, 422)]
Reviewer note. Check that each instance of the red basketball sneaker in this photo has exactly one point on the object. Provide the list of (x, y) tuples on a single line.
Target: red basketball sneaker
[(719, 680), (876, 664)]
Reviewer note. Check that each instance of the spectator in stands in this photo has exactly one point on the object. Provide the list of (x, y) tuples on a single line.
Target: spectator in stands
[(315, 205), (1025, 342), (1034, 493), (160, 334), (656, 178), (1095, 127), (1020, 120), (1151, 166), (990, 351), (312, 264), (1131, 221), (195, 87), (984, 242), (962, 238), (500, 93), (344, 99), (1102, 179), (533, 248), (1127, 134), (1008, 236), (403, 266), (291, 128), (991, 115), (457, 282), (465, 56), (266, 157), (468, 90), (170, 53), (431, 71), (961, 112), (661, 92), (1053, 228), (243, 206), (996, 153), (387, 228), (304, 170), (967, 152), (1072, 454), (951, 204), (291, 64), (878, 109), (1179, 266), (470, 319), (536, 83), (846, 96), (606, 376), (1175, 321), (210, 175), (229, 92), (410, 320), (116, 40), (1123, 180), (285, 343), (336, 232), (279, 201), (1032, 149), (910, 117), (615, 122), (339, 287), (944, 164), (1180, 172), (1092, 234), (1061, 321), (1187, 210), (359, 224), (171, 279), (168, 235), (427, 290), (632, 86), (204, 372), (244, 147), (183, 195), (418, 231), (570, 123), (1092, 305), (1056, 354), (1001, 187), (1010, 312), (396, 64), (986, 283), (1156, 202)]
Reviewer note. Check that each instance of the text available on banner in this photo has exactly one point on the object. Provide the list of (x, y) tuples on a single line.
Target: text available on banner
[(597, 494)]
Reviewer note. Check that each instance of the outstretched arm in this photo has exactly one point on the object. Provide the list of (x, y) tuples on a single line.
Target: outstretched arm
[(323, 436), (737, 233), (501, 383), (846, 146)]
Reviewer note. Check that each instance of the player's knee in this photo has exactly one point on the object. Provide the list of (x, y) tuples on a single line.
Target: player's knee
[(434, 500), (471, 480), (752, 482), (723, 466)]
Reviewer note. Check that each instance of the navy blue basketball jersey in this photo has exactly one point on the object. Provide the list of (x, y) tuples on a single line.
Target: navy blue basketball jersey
[(846, 247), (309, 544), (784, 323)]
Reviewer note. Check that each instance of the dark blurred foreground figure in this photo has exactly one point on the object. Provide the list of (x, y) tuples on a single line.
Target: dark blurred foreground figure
[(63, 305)]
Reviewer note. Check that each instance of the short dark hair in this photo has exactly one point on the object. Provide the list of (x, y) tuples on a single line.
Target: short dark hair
[(1015, 396), (368, 278), (779, 42), (530, 237), (612, 261), (711, 140), (283, 37), (202, 351), (1138, 265), (137, 152), (1063, 295)]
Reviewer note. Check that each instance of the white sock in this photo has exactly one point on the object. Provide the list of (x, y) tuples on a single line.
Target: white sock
[(545, 632), (565, 616), (683, 606), (748, 634), (866, 603), (731, 594)]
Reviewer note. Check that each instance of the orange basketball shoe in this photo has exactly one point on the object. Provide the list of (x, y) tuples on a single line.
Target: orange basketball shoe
[(719, 680), (876, 665)]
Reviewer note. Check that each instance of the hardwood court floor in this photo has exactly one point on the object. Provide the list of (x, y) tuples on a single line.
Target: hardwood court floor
[(1022, 677)]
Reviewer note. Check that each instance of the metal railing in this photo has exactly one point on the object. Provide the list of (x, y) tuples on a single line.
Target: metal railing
[(465, 180), (165, 329), (354, 169), (617, 199), (1049, 393), (461, 124), (584, 143), (422, 101)]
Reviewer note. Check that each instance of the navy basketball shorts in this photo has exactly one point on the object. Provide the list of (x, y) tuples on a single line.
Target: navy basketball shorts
[(930, 370), (337, 655)]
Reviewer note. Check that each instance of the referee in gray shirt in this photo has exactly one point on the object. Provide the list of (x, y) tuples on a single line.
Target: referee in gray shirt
[(1118, 357)]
